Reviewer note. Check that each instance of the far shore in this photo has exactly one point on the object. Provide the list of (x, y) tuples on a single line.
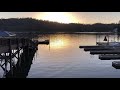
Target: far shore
[(34, 32)]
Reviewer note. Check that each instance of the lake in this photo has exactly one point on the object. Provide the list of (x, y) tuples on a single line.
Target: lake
[(63, 58)]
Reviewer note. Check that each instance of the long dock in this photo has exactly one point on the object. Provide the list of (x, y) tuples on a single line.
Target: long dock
[(44, 42), (109, 57), (96, 46), (105, 52), (89, 46), (107, 43), (101, 48), (116, 64)]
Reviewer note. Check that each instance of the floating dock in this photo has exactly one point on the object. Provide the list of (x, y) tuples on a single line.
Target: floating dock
[(101, 48), (109, 57), (105, 52), (116, 64), (88, 46), (108, 43), (43, 42)]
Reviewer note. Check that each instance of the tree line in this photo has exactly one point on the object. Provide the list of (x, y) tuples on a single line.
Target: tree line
[(31, 25)]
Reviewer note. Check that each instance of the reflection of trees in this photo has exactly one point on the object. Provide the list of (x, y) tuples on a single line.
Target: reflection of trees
[(23, 66)]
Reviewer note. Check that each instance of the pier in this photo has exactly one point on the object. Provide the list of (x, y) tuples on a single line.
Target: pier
[(13, 48), (16, 55)]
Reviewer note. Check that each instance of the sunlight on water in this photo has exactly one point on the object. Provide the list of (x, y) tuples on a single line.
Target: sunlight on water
[(64, 58), (58, 42)]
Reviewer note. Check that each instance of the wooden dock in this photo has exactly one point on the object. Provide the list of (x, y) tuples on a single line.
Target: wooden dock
[(109, 57), (23, 50), (89, 46), (116, 64), (105, 52), (21, 69), (44, 42), (108, 43), (13, 48), (96, 46), (101, 48)]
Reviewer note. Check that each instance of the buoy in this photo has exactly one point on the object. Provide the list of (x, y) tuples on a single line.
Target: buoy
[(105, 39)]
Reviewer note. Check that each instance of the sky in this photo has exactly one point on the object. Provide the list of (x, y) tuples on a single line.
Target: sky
[(68, 17)]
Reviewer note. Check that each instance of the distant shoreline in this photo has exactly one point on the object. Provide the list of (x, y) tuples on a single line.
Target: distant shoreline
[(66, 32)]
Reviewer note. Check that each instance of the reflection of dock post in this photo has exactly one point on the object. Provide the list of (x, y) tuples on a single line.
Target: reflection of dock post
[(5, 72), (23, 46), (96, 39), (18, 50), (108, 38), (21, 49), (49, 46), (10, 57), (28, 44)]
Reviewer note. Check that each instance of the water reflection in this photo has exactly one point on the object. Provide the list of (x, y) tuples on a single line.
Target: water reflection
[(63, 58), (21, 69), (106, 49), (57, 42)]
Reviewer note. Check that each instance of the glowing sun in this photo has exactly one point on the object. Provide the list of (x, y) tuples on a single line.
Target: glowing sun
[(60, 17)]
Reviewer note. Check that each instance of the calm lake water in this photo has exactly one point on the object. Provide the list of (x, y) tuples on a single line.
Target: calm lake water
[(64, 59)]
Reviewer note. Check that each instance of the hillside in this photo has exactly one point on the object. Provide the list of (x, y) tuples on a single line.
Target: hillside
[(30, 24)]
